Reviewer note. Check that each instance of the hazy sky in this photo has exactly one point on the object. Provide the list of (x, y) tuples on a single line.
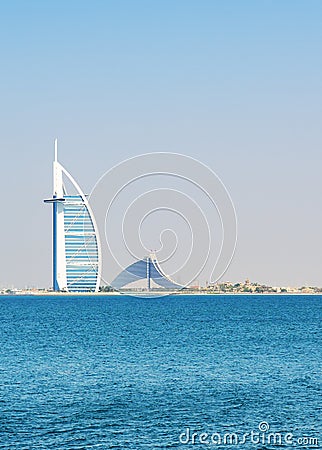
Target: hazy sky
[(236, 84)]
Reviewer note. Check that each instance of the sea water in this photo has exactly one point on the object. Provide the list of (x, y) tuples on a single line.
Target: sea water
[(171, 372)]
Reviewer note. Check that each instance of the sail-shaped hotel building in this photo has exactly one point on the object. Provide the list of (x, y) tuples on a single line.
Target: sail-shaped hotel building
[(76, 245)]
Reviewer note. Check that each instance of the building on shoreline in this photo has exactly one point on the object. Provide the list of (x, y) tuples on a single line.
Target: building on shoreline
[(76, 246), (147, 269)]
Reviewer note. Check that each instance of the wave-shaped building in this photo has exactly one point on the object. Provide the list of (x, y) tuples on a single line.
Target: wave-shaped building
[(147, 269), (76, 245)]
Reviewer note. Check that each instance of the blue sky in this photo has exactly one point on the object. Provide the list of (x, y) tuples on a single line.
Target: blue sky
[(236, 84)]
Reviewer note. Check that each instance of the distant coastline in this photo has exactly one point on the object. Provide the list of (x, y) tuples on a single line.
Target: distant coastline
[(152, 294), (221, 288)]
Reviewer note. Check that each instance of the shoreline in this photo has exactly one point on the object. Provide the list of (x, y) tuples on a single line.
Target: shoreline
[(153, 294)]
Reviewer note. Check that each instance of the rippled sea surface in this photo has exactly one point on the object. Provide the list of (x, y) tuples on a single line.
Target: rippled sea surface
[(136, 373)]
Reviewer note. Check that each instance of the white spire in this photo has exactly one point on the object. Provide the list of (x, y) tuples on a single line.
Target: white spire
[(56, 150), (58, 175)]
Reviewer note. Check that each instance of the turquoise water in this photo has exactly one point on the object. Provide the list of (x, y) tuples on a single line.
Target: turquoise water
[(128, 373)]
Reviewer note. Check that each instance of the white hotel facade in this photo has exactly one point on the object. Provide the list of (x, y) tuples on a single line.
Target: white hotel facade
[(76, 247)]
